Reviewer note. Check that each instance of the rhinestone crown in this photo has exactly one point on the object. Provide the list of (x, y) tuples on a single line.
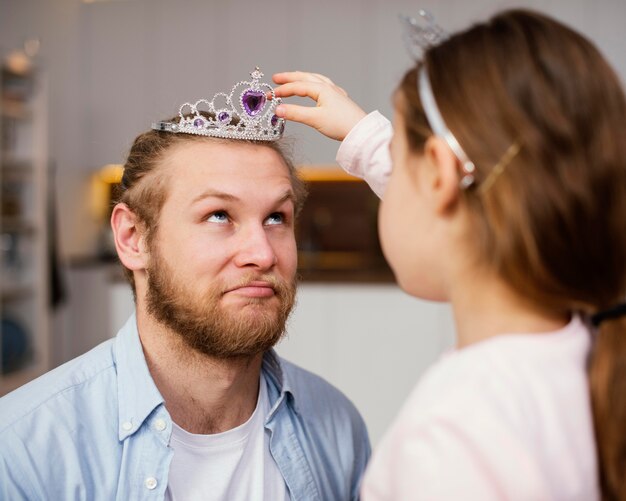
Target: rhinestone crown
[(421, 33), (246, 113)]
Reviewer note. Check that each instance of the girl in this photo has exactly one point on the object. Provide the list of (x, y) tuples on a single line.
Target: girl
[(507, 198)]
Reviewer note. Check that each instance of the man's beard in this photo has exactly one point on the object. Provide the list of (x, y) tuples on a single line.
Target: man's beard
[(209, 328)]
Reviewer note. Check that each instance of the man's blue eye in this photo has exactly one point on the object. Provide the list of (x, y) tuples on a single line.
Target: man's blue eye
[(275, 218), (218, 217)]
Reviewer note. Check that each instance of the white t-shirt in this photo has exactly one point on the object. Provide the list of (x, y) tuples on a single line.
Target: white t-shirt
[(233, 465), (508, 418)]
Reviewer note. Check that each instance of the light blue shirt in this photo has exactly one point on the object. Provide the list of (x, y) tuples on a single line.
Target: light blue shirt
[(97, 428)]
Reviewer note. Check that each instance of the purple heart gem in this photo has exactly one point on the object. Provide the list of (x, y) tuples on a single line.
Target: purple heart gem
[(253, 101)]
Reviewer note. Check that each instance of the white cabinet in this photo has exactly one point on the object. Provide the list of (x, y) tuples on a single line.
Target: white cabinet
[(24, 278)]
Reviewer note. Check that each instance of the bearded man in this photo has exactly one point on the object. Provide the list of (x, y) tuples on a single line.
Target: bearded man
[(189, 401)]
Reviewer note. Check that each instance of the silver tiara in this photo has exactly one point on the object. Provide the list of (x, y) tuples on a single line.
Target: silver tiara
[(245, 113), (421, 33)]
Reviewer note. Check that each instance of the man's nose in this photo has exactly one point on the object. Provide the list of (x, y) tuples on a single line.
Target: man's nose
[(255, 249)]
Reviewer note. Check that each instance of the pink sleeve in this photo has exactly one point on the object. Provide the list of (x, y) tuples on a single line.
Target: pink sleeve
[(364, 152)]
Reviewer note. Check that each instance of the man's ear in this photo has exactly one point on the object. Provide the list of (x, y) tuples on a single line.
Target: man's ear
[(444, 173), (129, 238)]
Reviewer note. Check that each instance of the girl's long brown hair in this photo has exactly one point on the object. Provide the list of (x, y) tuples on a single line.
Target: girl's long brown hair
[(553, 223)]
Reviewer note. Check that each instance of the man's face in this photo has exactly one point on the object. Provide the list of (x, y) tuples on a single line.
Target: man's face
[(223, 259)]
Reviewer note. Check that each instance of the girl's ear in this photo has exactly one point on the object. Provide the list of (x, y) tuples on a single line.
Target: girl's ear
[(129, 239), (443, 180)]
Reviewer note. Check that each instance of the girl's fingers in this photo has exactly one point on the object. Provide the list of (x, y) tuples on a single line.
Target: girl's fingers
[(299, 88), (323, 78), (294, 76), (304, 76), (302, 114)]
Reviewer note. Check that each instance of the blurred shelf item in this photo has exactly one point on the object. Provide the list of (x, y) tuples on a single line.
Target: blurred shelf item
[(15, 292), (13, 380), (17, 225), (15, 171), (325, 174), (24, 277), (337, 232), (12, 108)]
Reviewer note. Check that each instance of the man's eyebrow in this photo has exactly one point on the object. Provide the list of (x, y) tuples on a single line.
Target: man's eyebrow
[(287, 196), (210, 193), (214, 194)]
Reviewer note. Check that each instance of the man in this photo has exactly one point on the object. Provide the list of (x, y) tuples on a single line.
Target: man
[(189, 401)]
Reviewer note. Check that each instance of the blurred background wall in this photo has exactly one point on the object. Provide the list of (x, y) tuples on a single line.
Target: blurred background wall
[(113, 66)]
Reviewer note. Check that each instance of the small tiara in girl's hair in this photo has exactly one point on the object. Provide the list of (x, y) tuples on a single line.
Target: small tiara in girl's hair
[(421, 33), (245, 113)]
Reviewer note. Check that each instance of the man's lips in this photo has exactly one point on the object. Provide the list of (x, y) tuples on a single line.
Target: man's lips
[(254, 289)]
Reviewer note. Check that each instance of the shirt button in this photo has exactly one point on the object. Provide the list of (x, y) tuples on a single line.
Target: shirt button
[(151, 483), (160, 424), (127, 426)]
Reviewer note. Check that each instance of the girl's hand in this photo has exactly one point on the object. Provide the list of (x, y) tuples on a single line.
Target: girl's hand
[(334, 115)]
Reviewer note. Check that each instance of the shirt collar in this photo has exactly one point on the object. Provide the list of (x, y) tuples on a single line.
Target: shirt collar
[(137, 394), (273, 370)]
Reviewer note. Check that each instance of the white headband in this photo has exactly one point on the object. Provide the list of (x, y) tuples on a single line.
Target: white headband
[(433, 115)]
